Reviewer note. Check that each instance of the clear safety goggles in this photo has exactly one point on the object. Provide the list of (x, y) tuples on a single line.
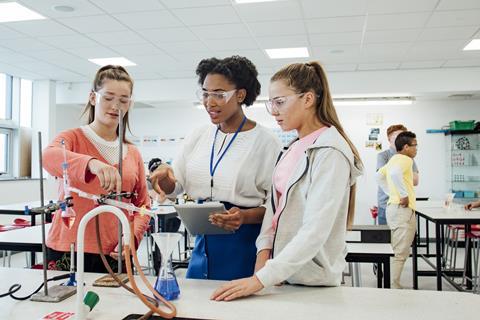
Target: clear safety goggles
[(122, 102), (217, 96)]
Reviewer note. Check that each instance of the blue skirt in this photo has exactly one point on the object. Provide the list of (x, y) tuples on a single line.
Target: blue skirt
[(226, 256)]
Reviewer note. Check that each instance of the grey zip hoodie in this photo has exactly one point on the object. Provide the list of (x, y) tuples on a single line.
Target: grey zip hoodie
[(309, 246)]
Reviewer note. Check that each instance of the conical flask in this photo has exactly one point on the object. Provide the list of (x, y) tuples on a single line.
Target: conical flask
[(166, 284)]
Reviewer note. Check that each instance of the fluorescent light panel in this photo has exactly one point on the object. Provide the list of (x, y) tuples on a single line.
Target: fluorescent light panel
[(283, 53), (117, 61), (473, 45), (12, 11)]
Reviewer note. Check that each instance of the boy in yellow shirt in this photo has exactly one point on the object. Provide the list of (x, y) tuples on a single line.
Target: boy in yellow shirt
[(396, 180)]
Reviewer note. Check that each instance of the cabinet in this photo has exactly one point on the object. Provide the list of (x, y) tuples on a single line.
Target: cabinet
[(463, 164)]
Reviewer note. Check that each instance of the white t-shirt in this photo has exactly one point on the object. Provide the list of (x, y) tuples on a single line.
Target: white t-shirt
[(244, 175), (108, 149)]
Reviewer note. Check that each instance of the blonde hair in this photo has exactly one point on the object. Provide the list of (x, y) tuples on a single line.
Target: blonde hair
[(109, 72), (308, 77)]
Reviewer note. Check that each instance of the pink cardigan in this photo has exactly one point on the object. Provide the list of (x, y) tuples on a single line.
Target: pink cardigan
[(79, 152)]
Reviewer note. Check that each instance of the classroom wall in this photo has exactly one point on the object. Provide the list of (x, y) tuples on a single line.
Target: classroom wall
[(178, 119)]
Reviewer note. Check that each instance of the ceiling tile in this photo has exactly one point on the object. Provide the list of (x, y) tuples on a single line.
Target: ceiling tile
[(270, 11), (117, 38), (458, 4), (438, 49), (397, 21), (12, 57), (40, 27), (454, 18), (336, 54), (463, 63), (378, 66), (338, 8), (175, 4), (340, 67), (137, 49), (25, 44), (149, 20), (92, 52), (395, 6), (160, 36), (450, 33), (207, 15), (257, 57), (385, 52), (232, 44), (71, 41), (422, 64), (115, 6), (179, 47), (100, 23), (155, 62), (221, 31), (331, 25), (323, 39), (388, 36), (283, 42), (7, 33), (45, 7), (277, 28), (177, 74)]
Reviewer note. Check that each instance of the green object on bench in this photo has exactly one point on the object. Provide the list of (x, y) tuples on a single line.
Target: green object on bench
[(462, 125)]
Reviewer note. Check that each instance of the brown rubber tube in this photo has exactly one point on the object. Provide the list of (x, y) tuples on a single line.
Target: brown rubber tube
[(151, 303)]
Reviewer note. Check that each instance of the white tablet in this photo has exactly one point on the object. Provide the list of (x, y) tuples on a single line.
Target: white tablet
[(195, 217)]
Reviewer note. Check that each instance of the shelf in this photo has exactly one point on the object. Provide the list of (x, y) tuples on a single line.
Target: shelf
[(460, 132), (464, 181)]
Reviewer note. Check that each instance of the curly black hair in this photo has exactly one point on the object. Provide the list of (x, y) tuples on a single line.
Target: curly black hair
[(238, 70)]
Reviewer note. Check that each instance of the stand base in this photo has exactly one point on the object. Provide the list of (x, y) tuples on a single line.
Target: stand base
[(137, 316), (55, 294), (108, 281)]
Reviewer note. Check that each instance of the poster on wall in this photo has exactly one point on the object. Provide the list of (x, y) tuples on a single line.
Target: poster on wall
[(137, 141), (150, 141), (374, 119), (373, 140)]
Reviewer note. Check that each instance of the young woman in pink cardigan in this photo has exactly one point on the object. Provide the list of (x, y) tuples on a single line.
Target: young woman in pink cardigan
[(92, 153)]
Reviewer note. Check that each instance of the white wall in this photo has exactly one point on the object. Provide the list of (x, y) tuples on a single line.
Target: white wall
[(177, 120), (18, 191)]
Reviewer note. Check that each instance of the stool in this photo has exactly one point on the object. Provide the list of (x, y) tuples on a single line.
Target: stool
[(474, 238)]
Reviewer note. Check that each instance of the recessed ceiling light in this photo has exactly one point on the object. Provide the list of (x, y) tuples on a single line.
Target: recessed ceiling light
[(116, 61), (473, 45), (252, 1), (63, 8), (12, 11), (282, 53)]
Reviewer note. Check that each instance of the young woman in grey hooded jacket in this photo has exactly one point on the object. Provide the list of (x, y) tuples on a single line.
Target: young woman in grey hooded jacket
[(302, 240)]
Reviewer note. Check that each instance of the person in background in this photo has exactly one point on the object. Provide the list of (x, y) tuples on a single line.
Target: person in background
[(382, 159), (230, 161), (472, 205), (92, 153), (396, 180), (313, 193), (171, 224)]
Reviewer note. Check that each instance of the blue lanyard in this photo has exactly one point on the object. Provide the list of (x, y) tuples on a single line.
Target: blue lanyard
[(213, 167)]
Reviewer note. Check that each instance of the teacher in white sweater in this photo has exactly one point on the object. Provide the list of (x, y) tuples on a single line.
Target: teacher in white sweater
[(230, 161)]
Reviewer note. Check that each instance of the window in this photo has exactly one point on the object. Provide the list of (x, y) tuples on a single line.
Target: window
[(5, 97), (4, 152), (25, 103), (15, 112)]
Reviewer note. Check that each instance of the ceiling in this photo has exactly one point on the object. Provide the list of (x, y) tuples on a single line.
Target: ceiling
[(167, 38)]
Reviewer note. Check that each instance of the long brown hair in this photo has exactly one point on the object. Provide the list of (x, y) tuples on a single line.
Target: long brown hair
[(109, 72), (311, 77)]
